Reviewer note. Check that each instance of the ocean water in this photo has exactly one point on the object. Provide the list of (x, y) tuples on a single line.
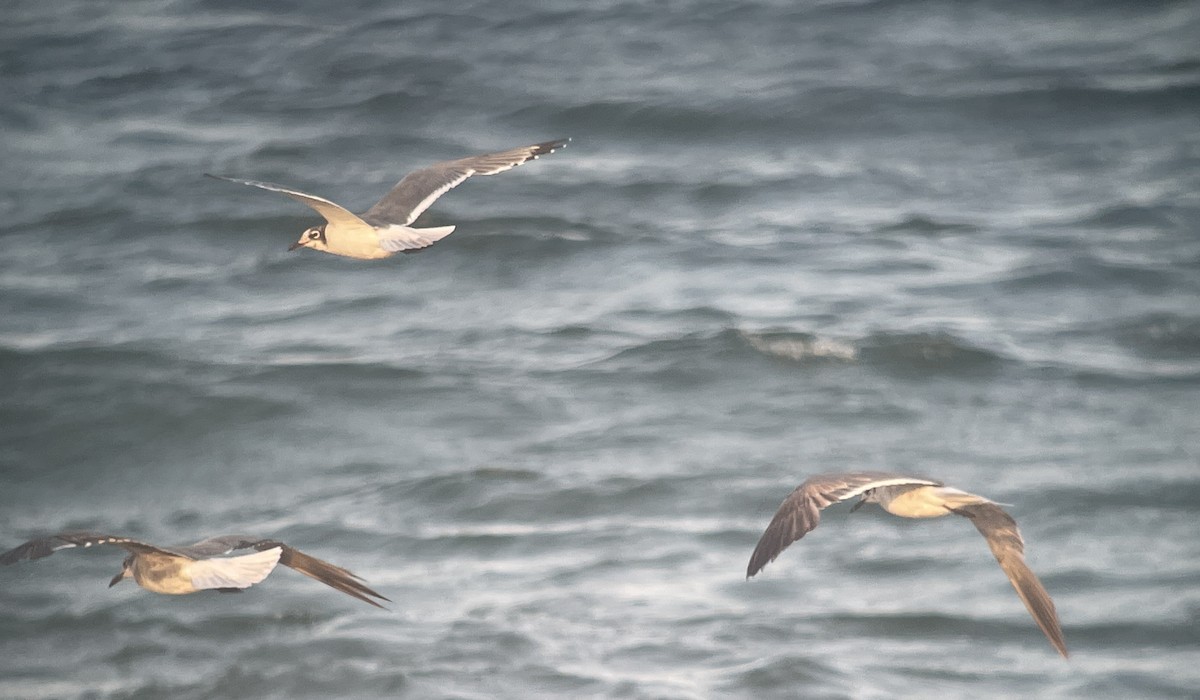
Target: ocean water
[(959, 239)]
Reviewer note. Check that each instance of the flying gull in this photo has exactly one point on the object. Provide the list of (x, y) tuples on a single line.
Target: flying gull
[(201, 566), (910, 497), (385, 229)]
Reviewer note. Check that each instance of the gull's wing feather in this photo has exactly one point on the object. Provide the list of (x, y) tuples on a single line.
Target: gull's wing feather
[(801, 511), (1004, 539), (402, 239), (233, 572), (45, 546), (421, 188), (335, 214), (323, 571), (328, 574), (217, 546)]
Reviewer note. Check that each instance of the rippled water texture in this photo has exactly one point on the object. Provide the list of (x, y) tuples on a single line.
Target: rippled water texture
[(955, 239)]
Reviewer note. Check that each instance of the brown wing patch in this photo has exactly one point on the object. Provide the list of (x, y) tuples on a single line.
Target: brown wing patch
[(1004, 539), (329, 574), (800, 512), (45, 546)]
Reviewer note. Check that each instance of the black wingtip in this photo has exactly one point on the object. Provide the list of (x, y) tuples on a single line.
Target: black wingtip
[(547, 147), (366, 595), (31, 550), (754, 568)]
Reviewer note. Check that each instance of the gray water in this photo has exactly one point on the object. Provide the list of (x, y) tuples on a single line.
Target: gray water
[(958, 239)]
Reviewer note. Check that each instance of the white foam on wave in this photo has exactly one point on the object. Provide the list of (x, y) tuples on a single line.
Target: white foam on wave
[(799, 348)]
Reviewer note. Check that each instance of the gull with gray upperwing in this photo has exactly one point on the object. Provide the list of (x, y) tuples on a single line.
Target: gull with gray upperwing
[(386, 228)]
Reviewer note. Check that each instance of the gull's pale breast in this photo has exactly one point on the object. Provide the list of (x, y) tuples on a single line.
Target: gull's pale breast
[(163, 574), (354, 241)]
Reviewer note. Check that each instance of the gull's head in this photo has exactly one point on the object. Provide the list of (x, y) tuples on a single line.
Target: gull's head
[(865, 498), (126, 571), (312, 238)]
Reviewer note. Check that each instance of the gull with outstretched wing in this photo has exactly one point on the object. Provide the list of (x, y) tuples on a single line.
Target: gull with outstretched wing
[(204, 565), (912, 497), (386, 228)]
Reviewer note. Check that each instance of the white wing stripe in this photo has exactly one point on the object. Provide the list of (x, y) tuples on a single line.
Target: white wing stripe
[(898, 481), (433, 196)]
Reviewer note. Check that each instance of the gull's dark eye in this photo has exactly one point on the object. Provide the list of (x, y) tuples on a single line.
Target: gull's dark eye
[(314, 234)]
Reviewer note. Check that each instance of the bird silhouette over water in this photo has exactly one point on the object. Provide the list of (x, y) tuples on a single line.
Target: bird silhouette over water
[(911, 497), (385, 229), (201, 566)]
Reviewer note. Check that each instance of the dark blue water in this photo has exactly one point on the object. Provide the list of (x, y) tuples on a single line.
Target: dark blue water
[(957, 239)]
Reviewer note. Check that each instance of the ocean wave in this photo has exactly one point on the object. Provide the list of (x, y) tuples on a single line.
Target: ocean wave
[(546, 500), (1160, 336), (1125, 374), (1083, 271), (925, 353), (929, 625), (465, 486), (110, 391), (648, 119), (1133, 495), (926, 225), (787, 674), (1157, 217), (696, 354), (318, 307), (56, 352), (700, 352), (691, 353), (928, 354), (801, 347), (528, 237), (849, 109)]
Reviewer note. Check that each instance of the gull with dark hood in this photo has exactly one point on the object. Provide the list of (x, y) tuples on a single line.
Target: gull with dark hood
[(386, 228)]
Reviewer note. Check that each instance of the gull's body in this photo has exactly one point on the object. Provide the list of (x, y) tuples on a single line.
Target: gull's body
[(386, 228), (911, 497), (201, 566)]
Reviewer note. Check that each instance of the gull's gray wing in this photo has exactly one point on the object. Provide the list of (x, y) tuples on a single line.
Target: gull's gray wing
[(421, 188), (45, 546), (801, 511), (335, 214), (328, 574), (1004, 539)]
